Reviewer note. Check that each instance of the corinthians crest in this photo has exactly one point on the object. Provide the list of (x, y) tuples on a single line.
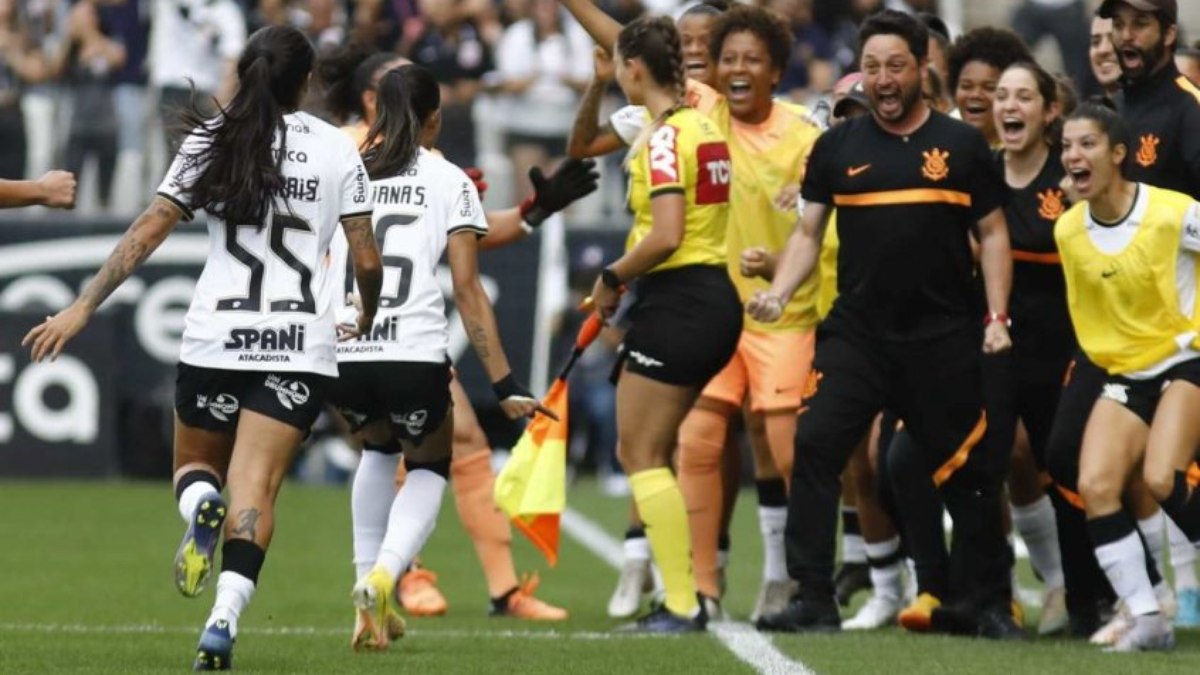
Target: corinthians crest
[(935, 168)]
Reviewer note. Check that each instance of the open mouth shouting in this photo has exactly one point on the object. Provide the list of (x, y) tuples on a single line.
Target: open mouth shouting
[(696, 68), (738, 90)]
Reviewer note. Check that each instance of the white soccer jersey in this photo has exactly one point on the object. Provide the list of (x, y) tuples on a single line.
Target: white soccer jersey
[(415, 214), (258, 303)]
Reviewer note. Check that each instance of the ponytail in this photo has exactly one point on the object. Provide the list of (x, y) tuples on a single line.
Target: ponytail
[(408, 97), (242, 170), (348, 72)]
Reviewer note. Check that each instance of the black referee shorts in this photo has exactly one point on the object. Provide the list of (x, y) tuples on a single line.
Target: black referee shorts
[(413, 396), (684, 326)]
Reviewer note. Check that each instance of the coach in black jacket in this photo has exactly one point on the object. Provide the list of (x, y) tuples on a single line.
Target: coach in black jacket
[(1161, 106)]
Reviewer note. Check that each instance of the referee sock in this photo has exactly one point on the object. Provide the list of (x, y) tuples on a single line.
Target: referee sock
[(1122, 556), (371, 497), (473, 481), (1183, 558), (661, 506), (412, 518), (701, 444), (192, 488), (854, 547), (1036, 524)]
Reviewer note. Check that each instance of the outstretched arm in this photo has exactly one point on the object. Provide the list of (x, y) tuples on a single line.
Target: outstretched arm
[(139, 241), (588, 137), (56, 189), (602, 27)]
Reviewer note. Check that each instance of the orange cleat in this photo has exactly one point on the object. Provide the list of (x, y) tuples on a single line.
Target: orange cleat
[(522, 605), (419, 593), (918, 616)]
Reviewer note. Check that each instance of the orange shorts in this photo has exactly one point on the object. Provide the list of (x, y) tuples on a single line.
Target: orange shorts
[(769, 367)]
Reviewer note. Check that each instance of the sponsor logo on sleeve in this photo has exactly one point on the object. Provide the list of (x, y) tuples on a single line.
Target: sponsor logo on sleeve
[(664, 162)]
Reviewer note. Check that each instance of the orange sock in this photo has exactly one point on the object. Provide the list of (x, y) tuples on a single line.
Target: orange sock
[(701, 441), (781, 438), (472, 479)]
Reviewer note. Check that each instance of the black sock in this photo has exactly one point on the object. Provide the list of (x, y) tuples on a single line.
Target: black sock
[(772, 492), (243, 557), (195, 476)]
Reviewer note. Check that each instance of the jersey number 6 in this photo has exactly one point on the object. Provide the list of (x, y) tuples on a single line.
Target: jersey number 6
[(400, 263)]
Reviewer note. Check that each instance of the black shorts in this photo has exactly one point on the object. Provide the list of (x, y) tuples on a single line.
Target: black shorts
[(684, 326), (1141, 396), (413, 396), (213, 399)]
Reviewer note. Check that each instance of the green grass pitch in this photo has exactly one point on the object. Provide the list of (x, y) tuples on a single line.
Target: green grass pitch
[(86, 587)]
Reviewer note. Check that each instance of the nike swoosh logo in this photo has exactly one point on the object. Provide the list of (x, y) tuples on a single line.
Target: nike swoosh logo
[(855, 170)]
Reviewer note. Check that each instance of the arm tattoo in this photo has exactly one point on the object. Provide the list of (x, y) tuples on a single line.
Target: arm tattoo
[(359, 234), (135, 246), (479, 340), (247, 524)]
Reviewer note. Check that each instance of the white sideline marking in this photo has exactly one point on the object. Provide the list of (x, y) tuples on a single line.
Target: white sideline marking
[(131, 629), (747, 644)]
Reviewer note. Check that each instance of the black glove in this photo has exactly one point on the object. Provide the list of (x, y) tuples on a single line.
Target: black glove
[(576, 178)]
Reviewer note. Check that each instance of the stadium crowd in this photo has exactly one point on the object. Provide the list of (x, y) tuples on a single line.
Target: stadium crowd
[(958, 283)]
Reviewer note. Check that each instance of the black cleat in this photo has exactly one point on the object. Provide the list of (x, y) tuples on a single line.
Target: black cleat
[(663, 621), (850, 579), (803, 615), (998, 623)]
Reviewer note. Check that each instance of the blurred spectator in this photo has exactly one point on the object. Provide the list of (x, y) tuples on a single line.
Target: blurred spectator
[(127, 22), (844, 34), (451, 46), (811, 69), (86, 62), (278, 13), (544, 61), (1187, 60), (939, 43), (20, 62), (1066, 21), (194, 43)]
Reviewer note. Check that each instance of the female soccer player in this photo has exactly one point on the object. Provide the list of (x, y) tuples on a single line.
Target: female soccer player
[(1129, 255), (258, 348), (1027, 118), (686, 319), (353, 77), (395, 383)]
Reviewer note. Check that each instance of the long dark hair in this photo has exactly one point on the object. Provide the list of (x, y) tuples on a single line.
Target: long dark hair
[(408, 97), (242, 172), (656, 41), (1048, 89), (346, 74)]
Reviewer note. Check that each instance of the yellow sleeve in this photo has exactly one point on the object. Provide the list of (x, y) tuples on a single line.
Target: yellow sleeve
[(668, 158)]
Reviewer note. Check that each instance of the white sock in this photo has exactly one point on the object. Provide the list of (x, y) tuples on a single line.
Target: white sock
[(1154, 532), (1124, 561), (371, 497), (886, 578), (771, 521), (1183, 558), (193, 495), (233, 594), (854, 548), (1036, 525), (637, 548), (411, 521), (722, 558)]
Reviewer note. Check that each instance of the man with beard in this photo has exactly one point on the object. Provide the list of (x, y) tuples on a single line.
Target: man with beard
[(909, 184), (1161, 106)]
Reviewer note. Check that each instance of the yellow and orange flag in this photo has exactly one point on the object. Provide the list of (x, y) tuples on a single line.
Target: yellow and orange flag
[(532, 487)]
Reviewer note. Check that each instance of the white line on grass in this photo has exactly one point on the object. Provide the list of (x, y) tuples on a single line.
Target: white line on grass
[(748, 645), (132, 629)]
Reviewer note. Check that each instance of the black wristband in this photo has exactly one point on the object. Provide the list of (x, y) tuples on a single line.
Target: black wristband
[(609, 278), (508, 387)]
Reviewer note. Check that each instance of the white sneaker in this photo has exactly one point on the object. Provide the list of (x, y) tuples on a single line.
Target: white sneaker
[(1149, 632), (1116, 628), (878, 612), (1055, 618), (634, 581), (773, 596)]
